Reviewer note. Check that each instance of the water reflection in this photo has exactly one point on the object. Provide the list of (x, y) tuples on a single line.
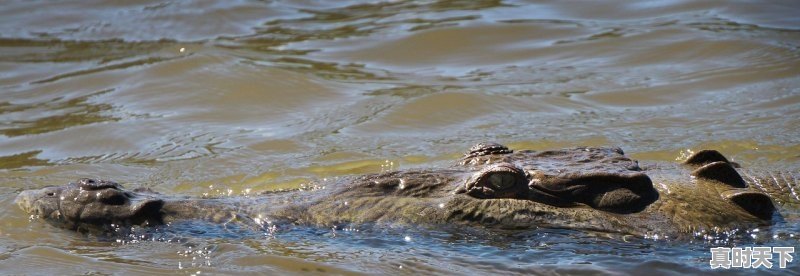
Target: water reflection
[(53, 115), (25, 159)]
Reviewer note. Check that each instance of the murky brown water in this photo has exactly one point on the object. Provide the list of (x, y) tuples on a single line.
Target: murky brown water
[(260, 95)]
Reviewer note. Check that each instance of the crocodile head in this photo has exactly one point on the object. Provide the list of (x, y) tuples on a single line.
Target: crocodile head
[(588, 188), (601, 178), (579, 188), (88, 203)]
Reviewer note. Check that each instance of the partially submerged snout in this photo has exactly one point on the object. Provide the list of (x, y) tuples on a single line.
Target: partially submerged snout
[(26, 199), (89, 202), (40, 202)]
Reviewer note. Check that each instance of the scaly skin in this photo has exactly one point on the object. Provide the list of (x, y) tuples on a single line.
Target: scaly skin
[(583, 188)]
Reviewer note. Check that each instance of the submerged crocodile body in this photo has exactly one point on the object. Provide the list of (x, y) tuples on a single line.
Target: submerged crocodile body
[(580, 188)]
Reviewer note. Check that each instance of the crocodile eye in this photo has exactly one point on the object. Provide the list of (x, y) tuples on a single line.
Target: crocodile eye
[(51, 194), (502, 180)]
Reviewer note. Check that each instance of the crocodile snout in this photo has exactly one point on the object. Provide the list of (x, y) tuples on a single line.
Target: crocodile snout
[(25, 200)]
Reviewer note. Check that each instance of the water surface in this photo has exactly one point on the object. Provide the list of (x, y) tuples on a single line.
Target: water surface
[(204, 97)]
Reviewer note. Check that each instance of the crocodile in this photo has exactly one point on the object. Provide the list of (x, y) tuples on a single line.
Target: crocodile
[(491, 186)]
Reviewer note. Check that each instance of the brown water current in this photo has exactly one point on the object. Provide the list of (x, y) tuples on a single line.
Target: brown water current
[(238, 97)]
